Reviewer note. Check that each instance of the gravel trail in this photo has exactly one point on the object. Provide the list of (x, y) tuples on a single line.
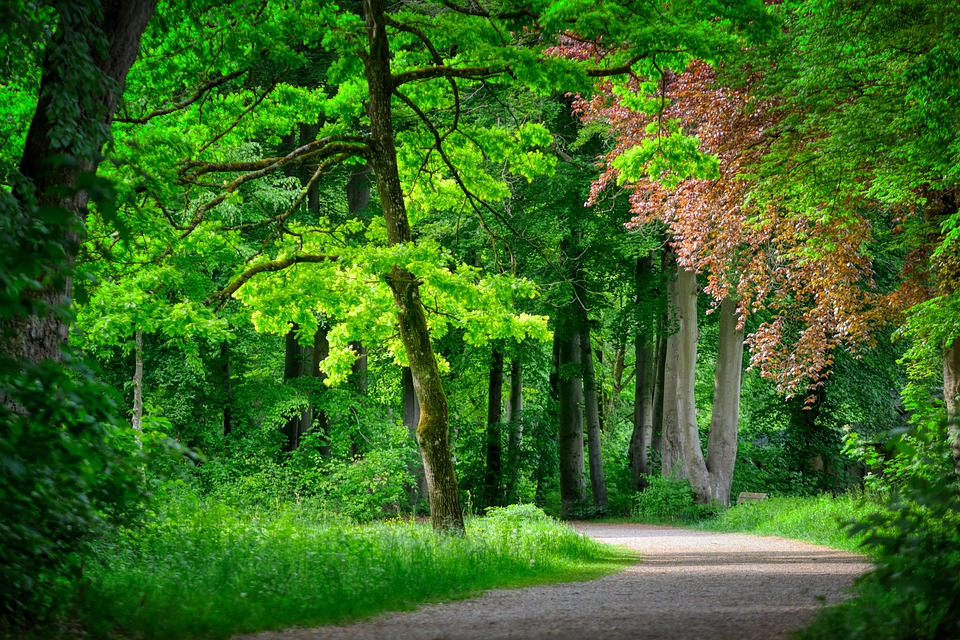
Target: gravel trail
[(690, 585)]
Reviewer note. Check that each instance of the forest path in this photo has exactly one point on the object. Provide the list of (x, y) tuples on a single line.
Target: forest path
[(690, 585)]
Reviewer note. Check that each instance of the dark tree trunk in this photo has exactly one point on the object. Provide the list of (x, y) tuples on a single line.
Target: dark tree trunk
[(225, 364), (659, 376), (295, 364), (515, 438), (494, 421), (358, 190), (641, 439), (598, 482), (643, 389), (89, 106), (573, 485), (432, 430)]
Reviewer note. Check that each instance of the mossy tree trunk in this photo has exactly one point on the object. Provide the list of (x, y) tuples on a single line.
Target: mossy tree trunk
[(432, 430)]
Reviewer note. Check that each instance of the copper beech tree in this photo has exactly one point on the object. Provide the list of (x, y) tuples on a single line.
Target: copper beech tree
[(808, 273)]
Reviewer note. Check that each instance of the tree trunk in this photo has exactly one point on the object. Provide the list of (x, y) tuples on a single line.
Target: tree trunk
[(89, 105), (643, 391), (515, 437), (136, 420), (640, 441), (573, 484), (659, 376), (432, 430), (671, 454), (722, 440), (951, 391), (228, 388), (685, 297), (358, 190), (494, 420), (598, 483), (295, 365)]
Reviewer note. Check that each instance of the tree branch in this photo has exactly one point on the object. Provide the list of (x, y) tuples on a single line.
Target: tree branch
[(265, 267), (183, 104)]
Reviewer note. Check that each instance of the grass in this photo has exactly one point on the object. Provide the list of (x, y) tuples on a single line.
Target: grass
[(817, 519), (204, 570)]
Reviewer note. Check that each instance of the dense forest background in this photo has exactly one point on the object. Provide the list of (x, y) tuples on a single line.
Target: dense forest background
[(432, 259)]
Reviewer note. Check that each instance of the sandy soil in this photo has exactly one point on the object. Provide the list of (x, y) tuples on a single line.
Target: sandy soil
[(690, 585)]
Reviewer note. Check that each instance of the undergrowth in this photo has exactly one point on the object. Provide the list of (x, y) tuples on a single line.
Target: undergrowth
[(820, 519), (206, 570)]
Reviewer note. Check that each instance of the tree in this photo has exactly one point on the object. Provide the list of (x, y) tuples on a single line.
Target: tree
[(63, 475)]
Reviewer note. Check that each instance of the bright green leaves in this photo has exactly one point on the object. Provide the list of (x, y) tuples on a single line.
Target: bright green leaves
[(147, 301), (351, 294), (669, 158), (483, 159)]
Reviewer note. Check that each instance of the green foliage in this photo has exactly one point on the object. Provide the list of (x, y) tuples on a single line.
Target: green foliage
[(669, 501), (913, 592), (203, 569), (822, 519)]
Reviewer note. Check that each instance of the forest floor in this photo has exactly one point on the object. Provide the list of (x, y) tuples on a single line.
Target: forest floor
[(688, 585)]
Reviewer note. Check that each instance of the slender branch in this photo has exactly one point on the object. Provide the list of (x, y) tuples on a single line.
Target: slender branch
[(183, 104), (304, 192), (477, 10), (471, 197), (443, 71), (337, 144), (264, 267)]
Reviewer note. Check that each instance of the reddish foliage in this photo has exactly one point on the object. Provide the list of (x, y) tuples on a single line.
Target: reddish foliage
[(808, 271)]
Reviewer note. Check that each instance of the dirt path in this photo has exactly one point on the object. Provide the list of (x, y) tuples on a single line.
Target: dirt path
[(690, 585)]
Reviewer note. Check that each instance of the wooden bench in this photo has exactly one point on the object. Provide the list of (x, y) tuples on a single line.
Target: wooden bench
[(746, 496)]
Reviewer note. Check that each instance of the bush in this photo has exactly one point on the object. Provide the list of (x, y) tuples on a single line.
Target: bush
[(69, 472), (666, 500), (914, 592)]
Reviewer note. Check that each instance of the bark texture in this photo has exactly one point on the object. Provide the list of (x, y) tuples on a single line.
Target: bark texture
[(598, 483), (685, 297), (494, 466), (433, 427), (514, 416), (573, 484), (641, 439), (671, 454), (722, 440), (951, 391), (100, 50)]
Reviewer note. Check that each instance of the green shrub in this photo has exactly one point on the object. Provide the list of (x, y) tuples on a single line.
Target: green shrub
[(914, 591), (666, 500)]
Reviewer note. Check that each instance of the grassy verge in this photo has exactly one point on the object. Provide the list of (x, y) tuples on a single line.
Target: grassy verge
[(206, 570), (820, 519)]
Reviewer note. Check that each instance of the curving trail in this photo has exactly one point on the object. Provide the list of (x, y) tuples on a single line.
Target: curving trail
[(690, 585)]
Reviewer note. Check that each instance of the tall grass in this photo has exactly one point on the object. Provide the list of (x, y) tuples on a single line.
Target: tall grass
[(206, 570), (818, 519)]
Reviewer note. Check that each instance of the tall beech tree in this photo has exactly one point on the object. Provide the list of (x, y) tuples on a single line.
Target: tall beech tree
[(874, 135), (84, 70)]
